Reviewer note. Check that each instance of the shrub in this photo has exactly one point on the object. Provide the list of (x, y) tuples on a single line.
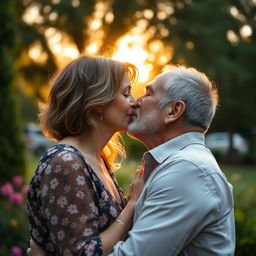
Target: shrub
[(13, 218), (12, 147), (245, 217)]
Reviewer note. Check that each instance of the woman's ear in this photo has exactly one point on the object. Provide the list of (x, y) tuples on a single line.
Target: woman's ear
[(99, 109), (174, 110)]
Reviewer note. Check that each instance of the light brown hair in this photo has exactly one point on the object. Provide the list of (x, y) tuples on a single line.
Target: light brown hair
[(76, 92)]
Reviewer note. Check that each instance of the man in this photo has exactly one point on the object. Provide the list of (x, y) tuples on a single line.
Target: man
[(186, 206)]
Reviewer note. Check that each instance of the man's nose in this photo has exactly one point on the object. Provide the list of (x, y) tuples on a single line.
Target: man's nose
[(139, 101)]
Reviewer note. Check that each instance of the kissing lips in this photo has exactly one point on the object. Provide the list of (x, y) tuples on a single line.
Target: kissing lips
[(132, 116)]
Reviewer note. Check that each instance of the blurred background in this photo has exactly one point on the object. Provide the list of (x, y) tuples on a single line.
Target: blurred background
[(38, 37)]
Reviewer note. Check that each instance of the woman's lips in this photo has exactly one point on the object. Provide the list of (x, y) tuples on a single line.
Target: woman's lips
[(132, 116)]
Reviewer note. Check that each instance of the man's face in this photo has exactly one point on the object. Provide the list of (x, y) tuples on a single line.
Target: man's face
[(149, 114)]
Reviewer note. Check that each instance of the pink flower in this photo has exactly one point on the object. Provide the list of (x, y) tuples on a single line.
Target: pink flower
[(25, 189), (16, 250), (6, 189), (17, 181), (16, 198)]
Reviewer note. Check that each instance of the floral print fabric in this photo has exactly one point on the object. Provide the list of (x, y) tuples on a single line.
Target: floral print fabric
[(68, 205)]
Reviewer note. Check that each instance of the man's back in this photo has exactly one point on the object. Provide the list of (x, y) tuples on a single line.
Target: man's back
[(186, 206), (214, 234)]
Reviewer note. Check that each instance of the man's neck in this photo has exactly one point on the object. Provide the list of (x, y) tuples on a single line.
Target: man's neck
[(153, 140)]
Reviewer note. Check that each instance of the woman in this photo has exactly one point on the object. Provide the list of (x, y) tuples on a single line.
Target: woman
[(75, 205)]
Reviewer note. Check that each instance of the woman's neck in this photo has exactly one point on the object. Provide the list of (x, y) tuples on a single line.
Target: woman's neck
[(91, 144)]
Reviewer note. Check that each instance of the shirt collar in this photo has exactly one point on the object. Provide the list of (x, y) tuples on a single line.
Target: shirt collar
[(163, 151)]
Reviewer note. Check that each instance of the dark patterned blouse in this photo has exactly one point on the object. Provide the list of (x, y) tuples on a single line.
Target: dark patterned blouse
[(68, 205)]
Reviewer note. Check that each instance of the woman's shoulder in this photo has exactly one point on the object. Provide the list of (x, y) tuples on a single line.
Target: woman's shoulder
[(63, 156), (62, 152)]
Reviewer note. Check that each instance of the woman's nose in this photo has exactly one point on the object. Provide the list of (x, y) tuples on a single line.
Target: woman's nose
[(133, 101)]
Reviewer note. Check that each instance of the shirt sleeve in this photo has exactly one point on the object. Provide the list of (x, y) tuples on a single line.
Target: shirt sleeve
[(170, 214), (68, 206)]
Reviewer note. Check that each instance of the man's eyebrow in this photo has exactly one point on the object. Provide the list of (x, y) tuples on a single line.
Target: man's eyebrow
[(149, 88)]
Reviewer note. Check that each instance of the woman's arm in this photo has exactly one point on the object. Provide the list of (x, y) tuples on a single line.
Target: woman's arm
[(35, 250), (119, 229)]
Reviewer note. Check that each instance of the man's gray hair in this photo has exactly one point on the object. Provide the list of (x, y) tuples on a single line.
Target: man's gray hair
[(193, 88)]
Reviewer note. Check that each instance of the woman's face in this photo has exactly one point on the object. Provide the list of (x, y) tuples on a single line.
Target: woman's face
[(121, 110)]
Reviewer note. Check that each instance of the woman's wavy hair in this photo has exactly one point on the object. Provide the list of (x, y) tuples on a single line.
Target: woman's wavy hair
[(83, 85)]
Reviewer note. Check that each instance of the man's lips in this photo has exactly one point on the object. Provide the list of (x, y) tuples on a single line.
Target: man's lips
[(132, 116)]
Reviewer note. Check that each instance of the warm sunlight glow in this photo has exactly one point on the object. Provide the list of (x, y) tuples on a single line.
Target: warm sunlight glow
[(61, 45), (134, 54), (232, 37), (141, 49), (109, 17), (246, 31), (53, 16), (37, 54), (234, 12), (92, 49), (190, 45), (161, 15), (75, 3), (148, 14), (31, 15), (96, 24), (70, 52), (156, 45)]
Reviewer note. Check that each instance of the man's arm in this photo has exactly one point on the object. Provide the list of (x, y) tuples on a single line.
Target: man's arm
[(171, 215)]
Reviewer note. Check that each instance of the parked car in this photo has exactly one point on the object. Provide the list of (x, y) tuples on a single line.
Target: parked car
[(219, 142), (36, 142)]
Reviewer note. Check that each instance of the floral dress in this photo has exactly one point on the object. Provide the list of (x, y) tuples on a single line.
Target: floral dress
[(68, 205)]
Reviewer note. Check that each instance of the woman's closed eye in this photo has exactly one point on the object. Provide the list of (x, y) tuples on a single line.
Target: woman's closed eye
[(127, 93)]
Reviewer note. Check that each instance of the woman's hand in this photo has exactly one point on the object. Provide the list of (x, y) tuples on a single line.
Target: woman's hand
[(35, 250), (137, 185)]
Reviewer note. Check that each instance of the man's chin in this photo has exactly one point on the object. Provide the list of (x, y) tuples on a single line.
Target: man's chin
[(132, 129)]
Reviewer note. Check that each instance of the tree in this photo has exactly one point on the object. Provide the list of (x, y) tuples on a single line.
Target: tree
[(216, 37), (12, 148)]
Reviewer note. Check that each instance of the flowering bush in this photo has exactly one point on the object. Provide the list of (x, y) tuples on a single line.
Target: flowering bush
[(13, 218)]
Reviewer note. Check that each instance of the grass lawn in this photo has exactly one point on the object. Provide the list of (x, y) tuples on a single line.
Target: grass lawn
[(243, 178)]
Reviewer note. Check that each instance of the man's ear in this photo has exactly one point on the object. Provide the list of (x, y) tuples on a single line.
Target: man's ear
[(174, 110)]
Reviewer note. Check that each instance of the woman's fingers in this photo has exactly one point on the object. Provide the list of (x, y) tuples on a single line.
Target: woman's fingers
[(36, 250), (139, 172), (29, 252)]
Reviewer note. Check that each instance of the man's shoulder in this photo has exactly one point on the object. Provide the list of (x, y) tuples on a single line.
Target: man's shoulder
[(194, 155)]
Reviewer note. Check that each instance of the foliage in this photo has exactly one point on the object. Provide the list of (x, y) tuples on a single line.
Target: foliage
[(12, 147), (243, 180), (134, 148), (13, 218), (245, 215), (205, 34)]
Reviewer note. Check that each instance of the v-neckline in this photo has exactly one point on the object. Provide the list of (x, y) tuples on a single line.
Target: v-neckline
[(97, 177)]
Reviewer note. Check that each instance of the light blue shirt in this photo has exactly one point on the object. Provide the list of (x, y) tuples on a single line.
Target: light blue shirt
[(186, 206)]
